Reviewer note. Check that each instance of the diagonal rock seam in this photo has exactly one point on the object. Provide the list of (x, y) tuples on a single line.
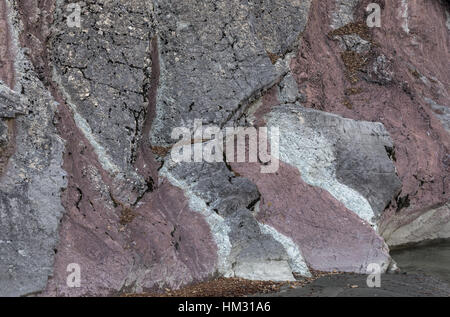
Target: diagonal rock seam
[(88, 172)]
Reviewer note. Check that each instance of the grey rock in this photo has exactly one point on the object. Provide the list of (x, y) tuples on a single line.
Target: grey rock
[(289, 92), (447, 23), (353, 42), (11, 103), (30, 205), (255, 255), (431, 225), (4, 135), (217, 186), (212, 64), (364, 164), (344, 13), (339, 155), (380, 71), (213, 61), (279, 23), (103, 69), (442, 112), (252, 254)]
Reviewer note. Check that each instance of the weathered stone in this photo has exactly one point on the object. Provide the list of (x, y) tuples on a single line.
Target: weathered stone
[(212, 64), (354, 42), (11, 103), (279, 23), (442, 112), (289, 90), (380, 71), (30, 188), (110, 199), (410, 70), (329, 236), (214, 190), (343, 13), (343, 156), (254, 255), (102, 69), (7, 54), (418, 227), (166, 245)]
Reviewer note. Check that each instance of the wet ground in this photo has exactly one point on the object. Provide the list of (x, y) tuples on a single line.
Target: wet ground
[(354, 285), (424, 271), (432, 260)]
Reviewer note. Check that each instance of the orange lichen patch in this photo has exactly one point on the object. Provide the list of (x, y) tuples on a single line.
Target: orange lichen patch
[(359, 28), (127, 215), (353, 62), (346, 102), (160, 150), (273, 57), (353, 91)]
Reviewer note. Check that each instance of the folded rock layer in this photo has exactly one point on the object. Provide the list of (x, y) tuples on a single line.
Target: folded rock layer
[(89, 116)]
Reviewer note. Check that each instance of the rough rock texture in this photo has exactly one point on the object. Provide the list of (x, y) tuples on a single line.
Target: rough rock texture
[(210, 50), (246, 251), (339, 155), (406, 66), (7, 73), (11, 103), (442, 112), (419, 227), (86, 122), (103, 74), (330, 237), (31, 181)]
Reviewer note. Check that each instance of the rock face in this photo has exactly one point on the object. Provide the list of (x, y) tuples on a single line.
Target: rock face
[(347, 158), (419, 227), (31, 181), (401, 81), (87, 120)]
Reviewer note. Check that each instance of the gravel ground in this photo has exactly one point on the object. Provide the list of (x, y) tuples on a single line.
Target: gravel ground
[(354, 285), (321, 285), (225, 287), (431, 259), (235, 287), (424, 272)]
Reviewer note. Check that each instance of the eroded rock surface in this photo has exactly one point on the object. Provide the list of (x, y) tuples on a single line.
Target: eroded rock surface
[(31, 182), (87, 115), (211, 52), (347, 158), (419, 227), (247, 250), (401, 81)]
